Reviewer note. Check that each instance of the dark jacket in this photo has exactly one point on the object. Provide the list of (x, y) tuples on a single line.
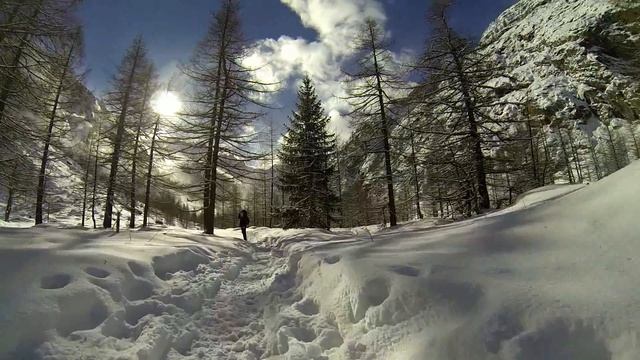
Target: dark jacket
[(244, 218)]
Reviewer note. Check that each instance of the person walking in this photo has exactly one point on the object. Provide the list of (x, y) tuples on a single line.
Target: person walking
[(244, 222)]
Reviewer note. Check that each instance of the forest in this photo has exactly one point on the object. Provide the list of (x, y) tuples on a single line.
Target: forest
[(319, 179), (455, 132)]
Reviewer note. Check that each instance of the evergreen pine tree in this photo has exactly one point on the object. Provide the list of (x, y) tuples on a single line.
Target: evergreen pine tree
[(307, 163)]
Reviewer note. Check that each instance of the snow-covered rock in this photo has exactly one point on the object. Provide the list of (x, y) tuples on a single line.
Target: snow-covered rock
[(575, 64), (576, 58)]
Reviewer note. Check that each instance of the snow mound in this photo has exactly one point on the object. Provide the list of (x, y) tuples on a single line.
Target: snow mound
[(69, 294), (554, 277)]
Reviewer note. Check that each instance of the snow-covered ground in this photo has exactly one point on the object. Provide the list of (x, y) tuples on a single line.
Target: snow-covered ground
[(554, 277)]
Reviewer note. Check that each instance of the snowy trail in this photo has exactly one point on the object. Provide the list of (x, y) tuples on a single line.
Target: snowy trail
[(169, 294), (231, 324)]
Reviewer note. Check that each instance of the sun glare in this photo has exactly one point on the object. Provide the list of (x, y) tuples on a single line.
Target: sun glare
[(167, 103)]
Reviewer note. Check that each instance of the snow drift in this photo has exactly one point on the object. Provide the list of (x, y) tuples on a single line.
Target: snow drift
[(71, 294), (555, 277)]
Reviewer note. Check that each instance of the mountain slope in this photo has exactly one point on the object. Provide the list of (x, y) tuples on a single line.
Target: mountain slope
[(576, 65)]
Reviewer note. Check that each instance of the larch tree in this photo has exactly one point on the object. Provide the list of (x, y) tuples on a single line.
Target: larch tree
[(159, 147), (34, 35), (216, 129), (127, 91), (143, 115), (455, 99), (149, 176), (96, 140), (369, 88), (64, 84)]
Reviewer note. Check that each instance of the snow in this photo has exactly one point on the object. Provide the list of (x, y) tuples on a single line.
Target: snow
[(69, 292), (561, 19), (564, 61), (553, 277)]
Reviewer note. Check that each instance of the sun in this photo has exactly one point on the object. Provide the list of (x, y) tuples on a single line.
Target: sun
[(167, 103)]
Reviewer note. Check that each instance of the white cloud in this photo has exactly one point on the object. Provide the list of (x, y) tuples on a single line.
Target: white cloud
[(286, 59), (336, 21)]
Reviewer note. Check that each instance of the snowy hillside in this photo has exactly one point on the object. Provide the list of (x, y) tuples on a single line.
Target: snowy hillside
[(554, 277), (64, 194)]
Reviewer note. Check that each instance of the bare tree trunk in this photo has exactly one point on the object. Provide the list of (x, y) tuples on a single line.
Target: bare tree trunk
[(636, 146), (115, 157), (207, 213), (612, 145), (8, 208), (214, 138), (147, 192), (264, 195), (385, 133), (441, 202), (534, 151), (134, 161), (85, 186), (47, 142), (11, 191), (547, 158), (567, 162), (478, 157), (222, 206), (95, 177), (340, 209), (272, 176), (254, 194), (576, 157), (216, 150), (414, 163), (365, 207)]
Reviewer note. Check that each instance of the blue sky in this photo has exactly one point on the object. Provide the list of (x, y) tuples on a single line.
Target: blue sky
[(301, 35)]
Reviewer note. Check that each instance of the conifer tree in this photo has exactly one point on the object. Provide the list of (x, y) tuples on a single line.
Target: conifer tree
[(222, 106), (454, 98), (143, 115), (128, 88), (147, 192), (34, 39), (307, 163), (64, 78), (369, 94)]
